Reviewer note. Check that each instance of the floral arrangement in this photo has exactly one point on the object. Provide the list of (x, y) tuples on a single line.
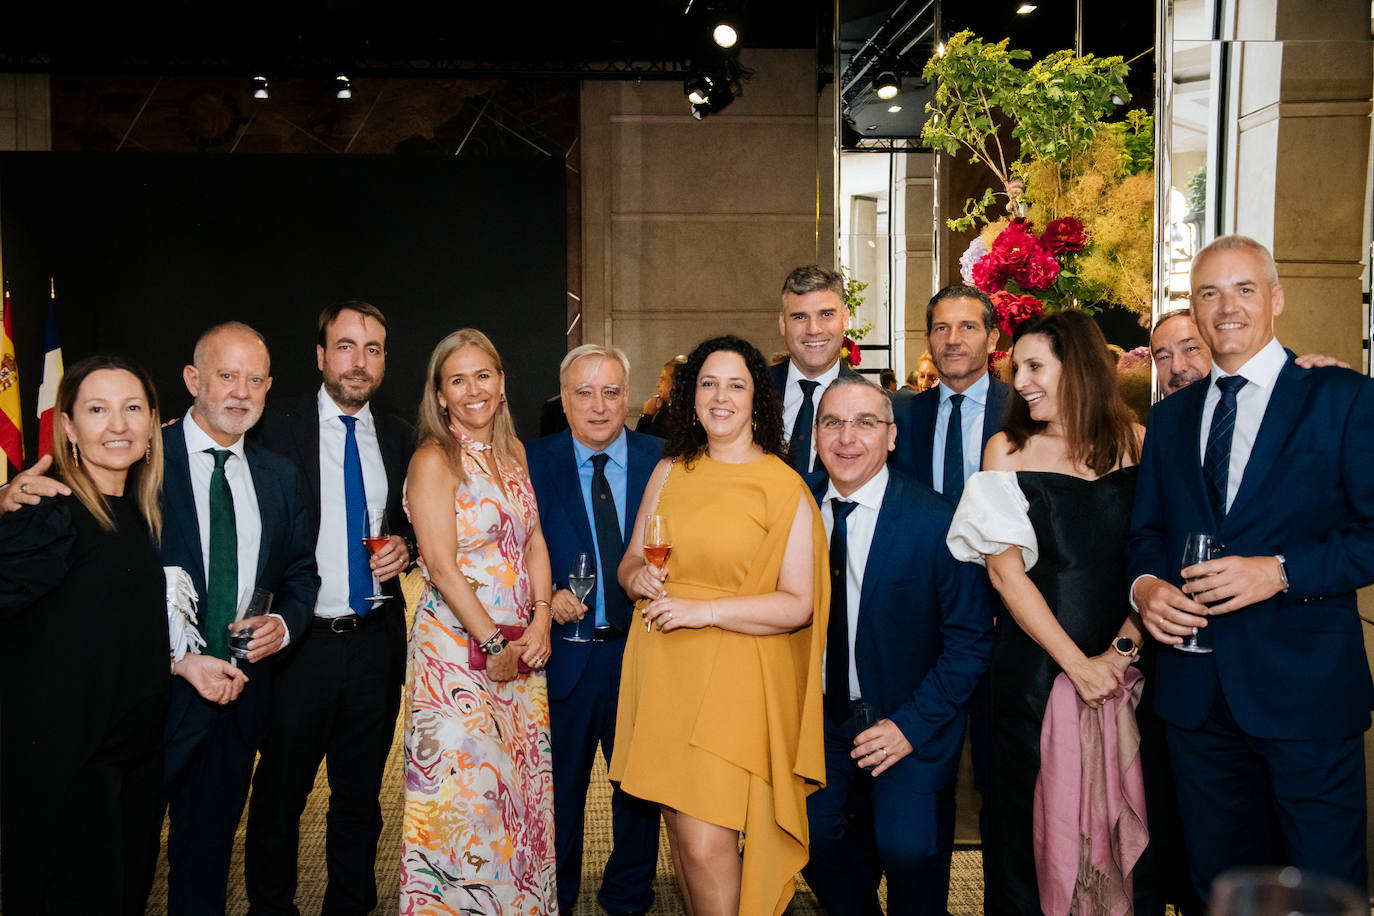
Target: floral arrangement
[(853, 298), (1019, 261), (851, 352)]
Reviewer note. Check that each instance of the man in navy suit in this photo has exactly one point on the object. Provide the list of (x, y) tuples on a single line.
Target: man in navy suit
[(813, 322), (961, 331), (1265, 732), (589, 480), (336, 697), (209, 749), (910, 635)]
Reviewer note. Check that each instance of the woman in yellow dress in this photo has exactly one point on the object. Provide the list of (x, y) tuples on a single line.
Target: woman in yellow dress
[(719, 719)]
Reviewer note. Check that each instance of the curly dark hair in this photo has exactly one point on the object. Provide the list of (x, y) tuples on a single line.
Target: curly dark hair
[(688, 438)]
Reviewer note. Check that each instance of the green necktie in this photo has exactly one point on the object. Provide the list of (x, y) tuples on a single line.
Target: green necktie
[(221, 603)]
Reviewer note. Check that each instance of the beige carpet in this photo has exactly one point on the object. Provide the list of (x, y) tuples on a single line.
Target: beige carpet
[(966, 881)]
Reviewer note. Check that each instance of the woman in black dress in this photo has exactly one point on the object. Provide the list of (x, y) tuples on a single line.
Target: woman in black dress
[(84, 658), (1049, 516)]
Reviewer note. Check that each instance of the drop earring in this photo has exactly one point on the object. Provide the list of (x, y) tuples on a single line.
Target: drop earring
[(75, 457)]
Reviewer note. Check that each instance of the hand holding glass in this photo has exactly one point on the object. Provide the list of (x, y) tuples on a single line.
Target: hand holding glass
[(254, 603), (581, 578), (1198, 548), (658, 544), (375, 538)]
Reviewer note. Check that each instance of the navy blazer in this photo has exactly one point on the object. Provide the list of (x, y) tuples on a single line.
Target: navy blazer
[(293, 431), (568, 531), (816, 479), (916, 428), (1291, 667), (286, 562), (924, 634)]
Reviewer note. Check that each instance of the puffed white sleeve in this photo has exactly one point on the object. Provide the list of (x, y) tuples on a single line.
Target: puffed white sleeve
[(991, 517), (181, 613)]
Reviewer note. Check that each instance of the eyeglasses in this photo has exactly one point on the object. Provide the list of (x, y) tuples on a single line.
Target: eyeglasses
[(863, 423)]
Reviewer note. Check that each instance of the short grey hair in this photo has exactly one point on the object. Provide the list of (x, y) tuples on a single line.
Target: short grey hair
[(857, 381), (598, 350), (810, 279), (1242, 243)]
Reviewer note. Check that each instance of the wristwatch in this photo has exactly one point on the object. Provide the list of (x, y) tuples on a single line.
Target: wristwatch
[(495, 644), (1283, 570), (1126, 646)]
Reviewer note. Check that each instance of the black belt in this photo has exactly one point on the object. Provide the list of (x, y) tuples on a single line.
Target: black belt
[(345, 624), (607, 634)]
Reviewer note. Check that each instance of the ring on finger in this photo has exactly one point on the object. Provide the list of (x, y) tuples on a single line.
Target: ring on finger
[(24, 488)]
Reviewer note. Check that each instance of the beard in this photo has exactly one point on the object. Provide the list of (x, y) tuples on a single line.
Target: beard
[(353, 397)]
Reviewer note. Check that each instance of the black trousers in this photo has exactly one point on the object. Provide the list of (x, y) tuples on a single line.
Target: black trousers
[(335, 699)]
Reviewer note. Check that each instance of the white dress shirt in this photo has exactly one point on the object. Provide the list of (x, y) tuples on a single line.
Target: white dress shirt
[(858, 528), (331, 548), (1260, 372), (247, 517), (792, 400), (971, 412)]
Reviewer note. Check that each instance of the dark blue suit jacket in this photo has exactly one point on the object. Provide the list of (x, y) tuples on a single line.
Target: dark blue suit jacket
[(816, 478), (925, 631), (568, 531), (286, 562), (916, 428), (1293, 666)]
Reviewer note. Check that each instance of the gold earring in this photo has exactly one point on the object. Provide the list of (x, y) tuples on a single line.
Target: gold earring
[(75, 456), (148, 451)]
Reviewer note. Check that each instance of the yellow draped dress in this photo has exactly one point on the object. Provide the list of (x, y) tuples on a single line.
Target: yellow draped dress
[(723, 726)]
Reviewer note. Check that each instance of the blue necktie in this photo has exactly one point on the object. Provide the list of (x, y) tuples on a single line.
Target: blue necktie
[(799, 445), (837, 630), (953, 484), (355, 505), (1216, 463)]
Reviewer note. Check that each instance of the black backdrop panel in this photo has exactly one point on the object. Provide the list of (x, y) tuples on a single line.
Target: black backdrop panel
[(148, 250)]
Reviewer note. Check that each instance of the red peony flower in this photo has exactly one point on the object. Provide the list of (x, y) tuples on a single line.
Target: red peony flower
[(852, 353), (988, 274), (1064, 235), (1012, 309), (1040, 271)]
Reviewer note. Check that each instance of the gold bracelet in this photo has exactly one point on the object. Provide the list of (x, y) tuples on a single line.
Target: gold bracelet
[(543, 602)]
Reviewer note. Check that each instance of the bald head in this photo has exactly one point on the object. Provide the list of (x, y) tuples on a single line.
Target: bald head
[(229, 378)]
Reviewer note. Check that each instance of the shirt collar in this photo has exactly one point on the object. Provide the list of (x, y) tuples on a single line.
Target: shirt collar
[(198, 440), (1261, 369), (617, 451), (977, 392), (870, 495), (329, 410), (794, 375)]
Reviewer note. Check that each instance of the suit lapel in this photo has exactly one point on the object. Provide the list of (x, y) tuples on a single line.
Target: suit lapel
[(641, 465), (264, 486), (885, 534), (992, 412), (1191, 433), (923, 413), (569, 490), (305, 430), (179, 506), (1280, 416)]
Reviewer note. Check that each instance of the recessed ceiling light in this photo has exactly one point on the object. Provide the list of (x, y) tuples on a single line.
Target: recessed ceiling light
[(873, 127), (894, 109), (1025, 8), (725, 35)]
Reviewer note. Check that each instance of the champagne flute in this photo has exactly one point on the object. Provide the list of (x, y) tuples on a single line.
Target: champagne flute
[(1199, 547), (581, 578), (658, 544), (375, 538)]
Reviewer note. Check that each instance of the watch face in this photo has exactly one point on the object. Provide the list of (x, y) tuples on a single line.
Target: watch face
[(1125, 645)]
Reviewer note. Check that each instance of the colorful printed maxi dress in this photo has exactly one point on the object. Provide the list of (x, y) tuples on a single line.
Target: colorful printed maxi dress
[(478, 831)]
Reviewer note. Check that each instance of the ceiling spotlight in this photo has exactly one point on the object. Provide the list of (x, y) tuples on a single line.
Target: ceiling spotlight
[(260, 87), (887, 85), (698, 90), (940, 49), (709, 93), (725, 35), (344, 86), (1025, 8), (893, 109)]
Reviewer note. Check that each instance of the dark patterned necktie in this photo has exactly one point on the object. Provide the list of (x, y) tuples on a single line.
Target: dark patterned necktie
[(953, 484), (1216, 462), (610, 546), (222, 582), (799, 444), (837, 631)]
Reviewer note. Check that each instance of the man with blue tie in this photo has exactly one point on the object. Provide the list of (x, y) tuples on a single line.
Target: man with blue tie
[(910, 634), (1265, 725), (813, 322), (589, 480), (336, 697), (941, 432)]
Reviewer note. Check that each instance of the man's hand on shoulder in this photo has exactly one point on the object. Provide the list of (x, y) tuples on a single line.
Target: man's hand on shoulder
[(1318, 361), (29, 487)]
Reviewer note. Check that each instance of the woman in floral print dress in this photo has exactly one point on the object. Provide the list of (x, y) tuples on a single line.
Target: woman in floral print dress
[(478, 831)]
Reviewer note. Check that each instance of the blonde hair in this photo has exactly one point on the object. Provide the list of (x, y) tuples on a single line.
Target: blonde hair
[(144, 478), (433, 421)]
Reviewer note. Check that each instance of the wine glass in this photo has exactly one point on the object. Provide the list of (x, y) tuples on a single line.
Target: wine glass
[(581, 578), (658, 544), (1271, 891), (1199, 547), (255, 602), (375, 538)]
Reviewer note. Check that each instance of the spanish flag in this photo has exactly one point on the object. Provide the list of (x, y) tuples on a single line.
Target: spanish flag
[(11, 427)]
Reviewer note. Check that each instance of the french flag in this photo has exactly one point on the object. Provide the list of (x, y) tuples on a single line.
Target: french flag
[(52, 375)]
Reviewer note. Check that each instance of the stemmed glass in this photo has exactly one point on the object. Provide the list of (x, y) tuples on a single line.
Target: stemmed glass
[(581, 578), (658, 544), (1198, 548), (375, 537)]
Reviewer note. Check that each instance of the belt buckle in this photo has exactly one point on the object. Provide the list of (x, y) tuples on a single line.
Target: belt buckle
[(344, 624)]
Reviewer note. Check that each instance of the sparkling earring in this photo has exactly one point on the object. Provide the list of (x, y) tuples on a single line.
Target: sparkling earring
[(148, 451), (75, 456)]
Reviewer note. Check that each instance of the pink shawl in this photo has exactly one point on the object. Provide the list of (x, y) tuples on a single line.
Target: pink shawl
[(1089, 802)]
